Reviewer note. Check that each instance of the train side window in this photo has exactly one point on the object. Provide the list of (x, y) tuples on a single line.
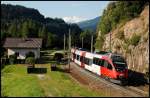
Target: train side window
[(78, 57), (86, 61), (101, 62), (96, 61), (81, 58), (93, 60), (107, 65), (90, 61)]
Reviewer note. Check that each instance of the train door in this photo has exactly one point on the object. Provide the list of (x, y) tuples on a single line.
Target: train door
[(96, 66), (88, 60), (96, 69), (107, 70), (81, 59)]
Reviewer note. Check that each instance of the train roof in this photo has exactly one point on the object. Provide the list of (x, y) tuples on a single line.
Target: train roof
[(113, 56)]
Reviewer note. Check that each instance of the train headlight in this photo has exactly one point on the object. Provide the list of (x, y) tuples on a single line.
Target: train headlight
[(121, 76)]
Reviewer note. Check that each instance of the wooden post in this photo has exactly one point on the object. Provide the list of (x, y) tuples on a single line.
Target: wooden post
[(69, 48), (64, 42), (110, 43), (92, 43), (82, 42)]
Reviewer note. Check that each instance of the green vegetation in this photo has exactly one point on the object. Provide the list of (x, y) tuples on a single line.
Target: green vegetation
[(12, 59), (120, 35), (117, 13), (135, 39), (16, 82), (99, 42), (86, 35), (126, 48), (30, 23), (30, 60), (30, 54), (58, 56), (53, 52)]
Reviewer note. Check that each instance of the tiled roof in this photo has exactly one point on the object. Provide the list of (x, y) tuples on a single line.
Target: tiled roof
[(23, 43)]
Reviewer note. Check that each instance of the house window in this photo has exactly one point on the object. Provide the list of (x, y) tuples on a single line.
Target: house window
[(17, 54)]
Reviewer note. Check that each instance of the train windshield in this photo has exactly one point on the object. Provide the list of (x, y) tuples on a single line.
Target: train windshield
[(119, 63)]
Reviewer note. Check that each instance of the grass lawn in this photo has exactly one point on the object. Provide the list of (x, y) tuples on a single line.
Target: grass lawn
[(16, 82)]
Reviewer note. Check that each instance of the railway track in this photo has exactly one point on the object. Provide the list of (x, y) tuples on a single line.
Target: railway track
[(127, 90)]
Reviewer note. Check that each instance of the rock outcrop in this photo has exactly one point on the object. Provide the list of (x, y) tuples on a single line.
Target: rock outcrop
[(137, 54)]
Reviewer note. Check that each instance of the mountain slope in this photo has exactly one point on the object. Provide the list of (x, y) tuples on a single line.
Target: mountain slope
[(20, 21), (11, 12), (89, 24), (129, 34)]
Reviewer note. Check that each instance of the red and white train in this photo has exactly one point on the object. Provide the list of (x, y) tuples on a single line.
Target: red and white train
[(109, 65)]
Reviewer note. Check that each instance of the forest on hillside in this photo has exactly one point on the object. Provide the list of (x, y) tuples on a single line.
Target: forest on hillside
[(19, 21), (115, 14), (124, 29)]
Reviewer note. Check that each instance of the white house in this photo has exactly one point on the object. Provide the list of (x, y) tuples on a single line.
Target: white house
[(21, 46)]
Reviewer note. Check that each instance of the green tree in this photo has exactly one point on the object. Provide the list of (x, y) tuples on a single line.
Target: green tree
[(118, 13), (43, 34), (50, 40), (25, 29), (87, 35), (13, 30)]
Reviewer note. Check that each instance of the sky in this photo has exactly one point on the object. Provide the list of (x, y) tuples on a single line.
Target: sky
[(70, 11)]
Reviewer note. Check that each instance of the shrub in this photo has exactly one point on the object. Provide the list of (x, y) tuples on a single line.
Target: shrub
[(120, 35), (135, 39), (58, 56), (30, 54), (30, 60), (99, 43), (119, 11), (147, 75), (12, 59)]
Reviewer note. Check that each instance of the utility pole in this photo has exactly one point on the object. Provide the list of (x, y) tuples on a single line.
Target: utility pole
[(110, 43), (82, 42), (92, 43), (69, 48), (64, 42)]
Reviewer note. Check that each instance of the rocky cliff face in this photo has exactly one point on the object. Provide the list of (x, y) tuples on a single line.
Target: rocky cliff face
[(132, 41)]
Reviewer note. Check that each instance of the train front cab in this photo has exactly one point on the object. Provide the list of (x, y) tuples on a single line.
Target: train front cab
[(121, 72), (121, 68), (107, 69)]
